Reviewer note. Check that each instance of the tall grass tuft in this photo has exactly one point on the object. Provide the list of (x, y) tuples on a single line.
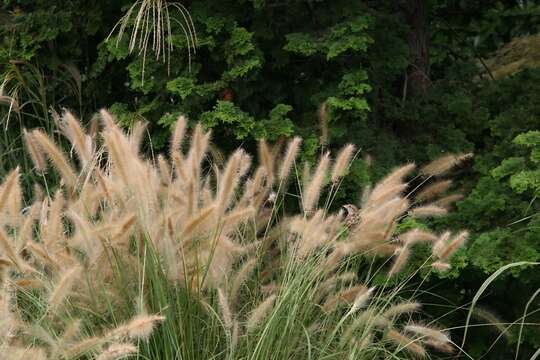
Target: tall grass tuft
[(185, 259)]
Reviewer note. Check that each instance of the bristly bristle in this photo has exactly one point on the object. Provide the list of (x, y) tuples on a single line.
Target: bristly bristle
[(403, 255), (260, 313), (139, 327), (444, 164), (417, 235), (428, 332), (226, 314), (178, 134), (81, 142), (447, 201), (397, 176), (407, 343), (428, 211), (433, 190), (454, 244), (323, 122), (343, 161), (137, 135), (57, 158), (118, 351), (266, 159), (229, 182), (401, 308), (63, 287), (314, 187), (290, 156), (35, 152), (164, 169), (7, 187), (240, 277)]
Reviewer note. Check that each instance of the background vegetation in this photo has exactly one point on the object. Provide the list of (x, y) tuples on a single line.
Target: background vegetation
[(404, 80)]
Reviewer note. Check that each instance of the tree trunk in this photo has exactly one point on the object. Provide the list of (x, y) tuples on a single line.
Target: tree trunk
[(415, 14)]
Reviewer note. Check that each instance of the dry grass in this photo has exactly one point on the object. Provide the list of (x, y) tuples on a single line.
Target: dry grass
[(213, 236)]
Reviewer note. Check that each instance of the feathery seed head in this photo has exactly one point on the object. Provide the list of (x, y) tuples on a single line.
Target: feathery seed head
[(314, 187), (259, 313), (290, 156), (139, 327), (35, 152), (118, 351), (444, 164), (433, 190), (343, 161), (178, 133), (428, 211)]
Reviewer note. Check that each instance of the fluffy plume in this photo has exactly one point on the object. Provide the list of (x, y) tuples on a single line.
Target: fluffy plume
[(63, 287), (7, 248), (241, 277), (83, 346), (492, 319), (203, 216), (164, 169), (323, 122), (447, 201), (417, 235), (454, 244), (228, 182), (440, 244), (428, 211), (226, 314), (444, 164), (433, 190), (343, 161), (314, 187), (397, 176), (57, 158), (260, 312), (441, 266), (428, 332), (439, 346), (403, 255), (289, 158), (267, 159), (140, 327), (7, 188), (361, 299), (406, 342), (401, 308), (107, 118), (346, 296), (137, 135), (35, 152), (178, 133), (118, 351), (81, 142)]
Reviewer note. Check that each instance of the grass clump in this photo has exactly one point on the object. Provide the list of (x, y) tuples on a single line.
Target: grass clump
[(180, 258)]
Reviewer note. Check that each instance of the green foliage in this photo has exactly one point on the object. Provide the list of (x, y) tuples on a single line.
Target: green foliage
[(501, 209), (351, 91), (347, 36), (237, 51), (227, 113)]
